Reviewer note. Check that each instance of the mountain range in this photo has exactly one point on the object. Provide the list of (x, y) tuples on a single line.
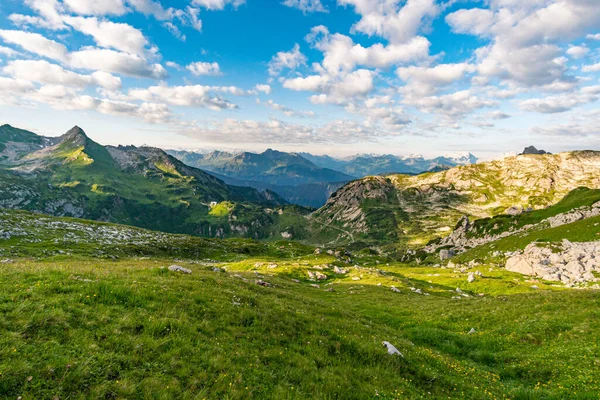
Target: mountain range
[(72, 175), (306, 179), (408, 211)]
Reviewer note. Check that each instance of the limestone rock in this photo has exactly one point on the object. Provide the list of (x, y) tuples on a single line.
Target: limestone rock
[(177, 268)]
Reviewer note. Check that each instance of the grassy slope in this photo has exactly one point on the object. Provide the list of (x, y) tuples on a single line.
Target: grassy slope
[(581, 197), (84, 327), (580, 231)]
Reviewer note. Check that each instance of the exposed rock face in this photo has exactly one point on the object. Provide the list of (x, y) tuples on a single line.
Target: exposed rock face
[(533, 150), (574, 263), (575, 215), (446, 254)]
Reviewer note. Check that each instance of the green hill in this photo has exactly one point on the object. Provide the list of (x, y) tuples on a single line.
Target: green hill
[(75, 176)]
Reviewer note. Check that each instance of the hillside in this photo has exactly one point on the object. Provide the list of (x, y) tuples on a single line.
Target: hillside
[(74, 176), (411, 210), (93, 310)]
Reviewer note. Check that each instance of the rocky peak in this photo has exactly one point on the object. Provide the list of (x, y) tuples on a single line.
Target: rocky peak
[(75, 135), (533, 150)]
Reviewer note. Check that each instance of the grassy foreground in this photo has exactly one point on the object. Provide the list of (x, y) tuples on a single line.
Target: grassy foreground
[(76, 327)]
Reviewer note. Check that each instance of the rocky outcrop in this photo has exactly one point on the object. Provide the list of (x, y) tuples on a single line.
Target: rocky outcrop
[(533, 150), (459, 239), (568, 262), (575, 215)]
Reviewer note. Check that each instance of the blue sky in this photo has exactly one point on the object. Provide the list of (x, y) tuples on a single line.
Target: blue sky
[(325, 76)]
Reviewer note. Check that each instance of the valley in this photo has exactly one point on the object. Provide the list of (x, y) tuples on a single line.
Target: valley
[(125, 273)]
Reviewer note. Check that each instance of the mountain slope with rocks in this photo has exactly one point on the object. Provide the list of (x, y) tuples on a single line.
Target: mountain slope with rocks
[(74, 176), (430, 205)]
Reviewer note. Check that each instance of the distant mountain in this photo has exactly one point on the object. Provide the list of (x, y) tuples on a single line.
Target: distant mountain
[(307, 195), (142, 186), (365, 165), (325, 161), (271, 166), (307, 179)]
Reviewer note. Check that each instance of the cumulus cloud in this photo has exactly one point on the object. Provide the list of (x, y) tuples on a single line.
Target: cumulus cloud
[(577, 52), (95, 7), (559, 104), (393, 20), (115, 62), (8, 52), (204, 68), (524, 37), (118, 36), (306, 6), (286, 60), (423, 81), (288, 111), (266, 89), (341, 54), (453, 105), (591, 68), (190, 95), (36, 43), (218, 4), (336, 90), (42, 71)]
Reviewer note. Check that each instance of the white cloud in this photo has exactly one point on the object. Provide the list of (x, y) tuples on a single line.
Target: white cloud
[(204, 68), (341, 54), (559, 104), (46, 73), (525, 37), (191, 95), (306, 6), (15, 85), (263, 88), (593, 37), (218, 4), (313, 83), (8, 51), (118, 36), (286, 60), (173, 65), (452, 106), (591, 68), (577, 52), (422, 81), (338, 90), (497, 115), (288, 111), (175, 31), (49, 15), (96, 7), (475, 21), (392, 20), (36, 43), (116, 62)]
